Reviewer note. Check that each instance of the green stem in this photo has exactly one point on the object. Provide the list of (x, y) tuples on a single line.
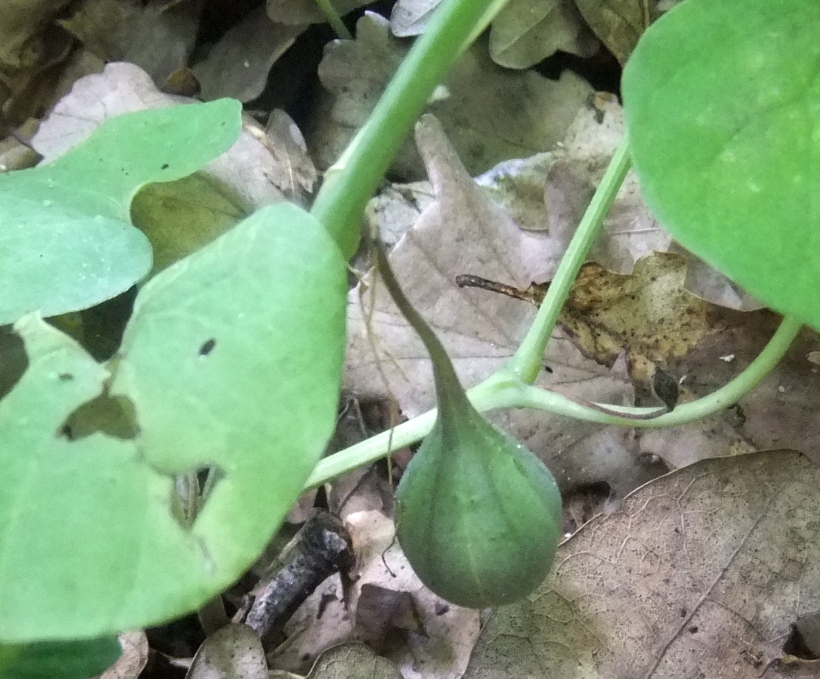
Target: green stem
[(334, 19), (351, 181), (504, 390), (526, 363)]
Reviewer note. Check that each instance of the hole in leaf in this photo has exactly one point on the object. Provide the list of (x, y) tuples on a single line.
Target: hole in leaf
[(111, 415), (207, 347), (191, 491), (804, 640)]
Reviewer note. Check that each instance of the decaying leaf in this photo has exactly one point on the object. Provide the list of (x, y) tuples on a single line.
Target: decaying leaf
[(239, 63), (705, 569), (387, 605), (463, 232), (233, 652), (157, 39), (134, 657), (779, 412), (490, 114), (618, 23), (528, 31), (353, 661)]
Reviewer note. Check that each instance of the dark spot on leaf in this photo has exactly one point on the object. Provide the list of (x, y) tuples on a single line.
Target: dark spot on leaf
[(164, 166), (548, 369), (441, 609), (693, 629), (207, 347), (66, 377), (682, 612)]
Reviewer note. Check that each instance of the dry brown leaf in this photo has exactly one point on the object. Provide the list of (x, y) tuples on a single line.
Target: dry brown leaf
[(490, 114), (233, 652), (463, 232), (238, 65), (134, 657), (528, 31), (353, 661), (780, 412), (157, 39), (699, 573), (424, 636), (618, 23)]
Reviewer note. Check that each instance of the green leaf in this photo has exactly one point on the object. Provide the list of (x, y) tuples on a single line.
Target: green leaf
[(59, 659), (66, 240), (722, 101), (232, 360)]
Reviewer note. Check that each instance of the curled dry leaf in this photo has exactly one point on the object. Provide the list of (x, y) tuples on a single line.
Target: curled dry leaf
[(706, 567), (490, 114), (134, 657)]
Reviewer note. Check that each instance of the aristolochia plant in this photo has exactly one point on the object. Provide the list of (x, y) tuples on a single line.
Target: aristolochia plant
[(231, 361)]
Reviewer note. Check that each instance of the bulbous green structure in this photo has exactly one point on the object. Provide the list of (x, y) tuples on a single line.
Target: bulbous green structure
[(477, 514)]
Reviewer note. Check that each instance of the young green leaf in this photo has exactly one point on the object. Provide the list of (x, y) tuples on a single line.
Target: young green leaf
[(722, 101), (67, 242), (232, 360), (477, 515)]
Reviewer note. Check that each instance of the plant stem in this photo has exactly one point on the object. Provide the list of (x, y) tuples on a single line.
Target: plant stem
[(351, 181), (334, 19), (526, 363), (504, 390)]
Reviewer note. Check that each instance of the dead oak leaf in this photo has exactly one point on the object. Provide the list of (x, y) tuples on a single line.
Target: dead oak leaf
[(699, 573), (463, 232)]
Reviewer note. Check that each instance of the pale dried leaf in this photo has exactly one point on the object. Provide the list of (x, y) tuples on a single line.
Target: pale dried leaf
[(705, 568), (780, 412), (134, 657), (238, 65), (428, 637), (528, 31), (233, 652), (490, 114), (157, 39), (353, 661), (410, 17), (618, 23), (463, 232)]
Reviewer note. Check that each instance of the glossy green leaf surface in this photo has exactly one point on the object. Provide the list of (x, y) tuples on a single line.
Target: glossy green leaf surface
[(232, 359), (66, 242), (722, 101), (59, 659)]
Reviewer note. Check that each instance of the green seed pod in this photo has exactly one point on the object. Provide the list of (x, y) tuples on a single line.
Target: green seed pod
[(477, 514)]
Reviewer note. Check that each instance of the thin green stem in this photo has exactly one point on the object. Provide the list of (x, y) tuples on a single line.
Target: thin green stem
[(526, 363), (504, 390), (334, 19), (350, 183)]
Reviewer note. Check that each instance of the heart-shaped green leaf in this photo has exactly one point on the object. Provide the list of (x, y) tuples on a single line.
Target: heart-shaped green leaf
[(722, 102), (66, 242), (231, 360)]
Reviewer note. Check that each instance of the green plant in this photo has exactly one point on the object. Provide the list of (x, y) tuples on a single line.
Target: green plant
[(724, 151)]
